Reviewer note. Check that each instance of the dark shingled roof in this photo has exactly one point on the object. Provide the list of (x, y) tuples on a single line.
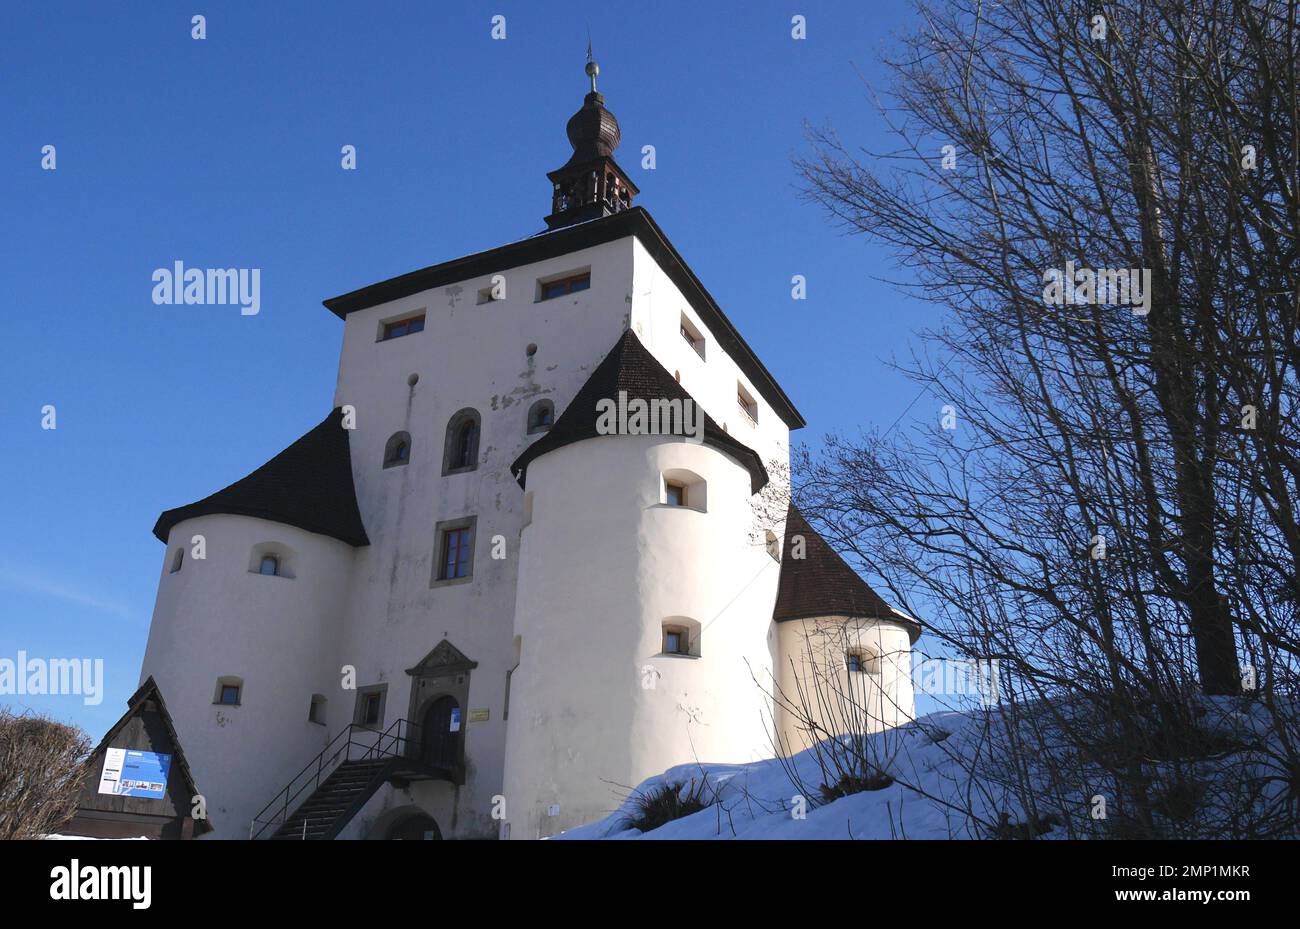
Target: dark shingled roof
[(822, 583), (629, 366), (308, 485)]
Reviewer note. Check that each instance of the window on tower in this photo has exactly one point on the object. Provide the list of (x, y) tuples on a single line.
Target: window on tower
[(229, 691), (692, 335), (558, 287), (369, 710), (461, 448), (271, 559), (316, 712), (454, 552), (398, 450), (400, 327), (541, 416), (747, 404), (684, 489), (681, 637), (863, 662)]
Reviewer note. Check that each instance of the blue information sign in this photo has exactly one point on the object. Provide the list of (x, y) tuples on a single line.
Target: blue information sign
[(131, 773)]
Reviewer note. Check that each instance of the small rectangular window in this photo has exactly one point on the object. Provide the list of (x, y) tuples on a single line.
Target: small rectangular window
[(565, 285), (230, 694), (455, 553), (675, 494), (675, 641), (401, 327), (692, 335), (748, 405), (370, 704)]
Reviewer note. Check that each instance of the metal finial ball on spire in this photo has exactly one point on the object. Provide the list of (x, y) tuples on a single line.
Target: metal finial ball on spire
[(592, 70)]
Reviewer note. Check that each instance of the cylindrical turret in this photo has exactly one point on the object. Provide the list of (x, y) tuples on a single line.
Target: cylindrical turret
[(841, 675), (241, 640), (643, 606)]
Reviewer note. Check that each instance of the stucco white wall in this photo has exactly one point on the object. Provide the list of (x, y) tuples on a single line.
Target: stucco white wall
[(594, 703), (586, 585), (469, 355), (215, 618), (657, 308), (813, 652)]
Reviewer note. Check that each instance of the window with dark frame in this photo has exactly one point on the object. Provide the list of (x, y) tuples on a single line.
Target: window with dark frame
[(370, 704), (676, 641), (178, 560), (565, 285), (466, 433), (229, 695), (460, 446), (692, 337), (456, 549), (398, 450), (855, 662), (674, 494), (270, 566), (401, 327), (541, 416), (747, 404)]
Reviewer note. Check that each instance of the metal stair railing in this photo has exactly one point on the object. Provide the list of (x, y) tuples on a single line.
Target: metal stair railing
[(397, 741)]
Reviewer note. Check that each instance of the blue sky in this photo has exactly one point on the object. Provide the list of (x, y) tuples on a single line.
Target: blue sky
[(225, 153)]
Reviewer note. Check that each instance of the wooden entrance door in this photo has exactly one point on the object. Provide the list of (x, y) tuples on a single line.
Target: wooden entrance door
[(441, 733)]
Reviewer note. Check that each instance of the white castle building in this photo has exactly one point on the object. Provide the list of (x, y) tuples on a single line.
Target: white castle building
[(463, 605)]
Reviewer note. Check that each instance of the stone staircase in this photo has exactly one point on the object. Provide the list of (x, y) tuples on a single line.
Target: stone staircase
[(331, 805)]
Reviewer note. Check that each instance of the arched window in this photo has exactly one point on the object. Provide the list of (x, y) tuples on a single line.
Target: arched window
[(541, 416), (680, 636), (178, 559), (272, 559), (461, 447), (398, 450), (682, 488)]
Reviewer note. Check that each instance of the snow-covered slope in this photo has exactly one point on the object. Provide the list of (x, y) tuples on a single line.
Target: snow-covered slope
[(760, 801), (950, 775)]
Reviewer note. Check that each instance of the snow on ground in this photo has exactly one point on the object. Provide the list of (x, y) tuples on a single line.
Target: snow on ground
[(757, 800), (934, 794)]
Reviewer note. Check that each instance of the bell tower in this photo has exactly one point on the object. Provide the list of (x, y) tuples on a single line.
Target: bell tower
[(590, 184)]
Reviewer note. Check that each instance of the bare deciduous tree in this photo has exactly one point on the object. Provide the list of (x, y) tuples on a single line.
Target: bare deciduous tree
[(42, 772), (1114, 516)]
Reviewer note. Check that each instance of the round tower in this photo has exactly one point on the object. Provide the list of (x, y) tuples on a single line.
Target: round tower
[(844, 656), (643, 605), (247, 618)]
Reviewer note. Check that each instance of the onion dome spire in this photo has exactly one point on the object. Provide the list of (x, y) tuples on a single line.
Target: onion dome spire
[(590, 184)]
